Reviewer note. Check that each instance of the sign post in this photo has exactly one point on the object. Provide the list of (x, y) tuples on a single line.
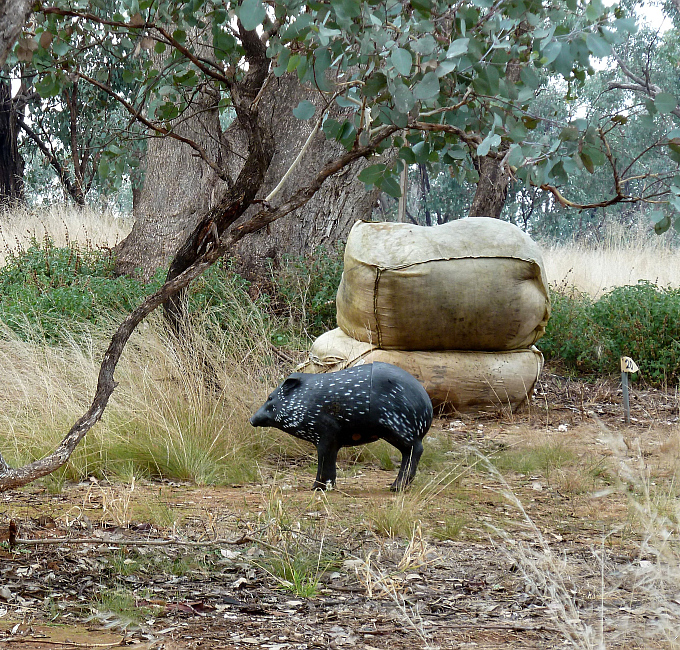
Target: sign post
[(627, 366)]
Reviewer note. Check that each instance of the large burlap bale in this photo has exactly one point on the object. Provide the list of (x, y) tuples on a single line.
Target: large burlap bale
[(472, 284), (458, 380)]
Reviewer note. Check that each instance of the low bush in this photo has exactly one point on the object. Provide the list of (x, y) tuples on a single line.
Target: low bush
[(45, 289), (306, 288), (52, 292), (641, 321)]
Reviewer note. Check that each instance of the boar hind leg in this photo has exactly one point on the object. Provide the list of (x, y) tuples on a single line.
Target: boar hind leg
[(410, 456), (327, 451)]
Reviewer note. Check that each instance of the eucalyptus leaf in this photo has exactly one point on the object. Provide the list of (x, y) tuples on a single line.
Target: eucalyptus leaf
[(371, 174), (403, 98), (656, 216), (662, 225), (491, 140), (402, 60), (457, 48), (427, 87), (304, 110), (598, 46), (551, 51), (390, 186), (529, 77), (251, 13), (665, 102)]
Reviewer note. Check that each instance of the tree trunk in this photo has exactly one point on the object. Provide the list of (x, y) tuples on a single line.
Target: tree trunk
[(328, 217), (11, 163), (492, 187), (168, 216), (178, 188), (494, 173), (13, 15)]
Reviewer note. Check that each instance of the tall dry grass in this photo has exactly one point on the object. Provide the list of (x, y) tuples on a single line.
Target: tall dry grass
[(625, 255), (180, 409), (62, 223)]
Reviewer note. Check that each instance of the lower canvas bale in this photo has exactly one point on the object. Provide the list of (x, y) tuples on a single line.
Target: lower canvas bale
[(464, 381)]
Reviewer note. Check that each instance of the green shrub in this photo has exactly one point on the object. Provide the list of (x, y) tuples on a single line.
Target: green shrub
[(45, 289), (306, 286), (571, 335), (641, 321)]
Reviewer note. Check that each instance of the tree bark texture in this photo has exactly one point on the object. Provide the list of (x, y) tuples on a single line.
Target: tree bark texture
[(179, 188), (329, 215), (492, 187), (11, 163), (13, 15)]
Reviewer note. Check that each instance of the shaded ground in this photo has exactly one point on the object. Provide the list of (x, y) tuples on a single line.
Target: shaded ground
[(455, 563)]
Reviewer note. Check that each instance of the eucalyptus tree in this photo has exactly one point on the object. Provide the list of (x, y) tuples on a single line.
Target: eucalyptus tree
[(81, 132), (428, 79)]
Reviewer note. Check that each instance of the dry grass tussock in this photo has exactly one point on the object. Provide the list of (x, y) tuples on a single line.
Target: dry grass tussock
[(624, 256), (180, 410), (62, 223)]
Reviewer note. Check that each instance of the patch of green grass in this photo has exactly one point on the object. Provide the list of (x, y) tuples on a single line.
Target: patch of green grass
[(46, 290), (158, 514), (540, 459), (122, 562), (298, 573), (123, 605), (451, 528), (394, 518)]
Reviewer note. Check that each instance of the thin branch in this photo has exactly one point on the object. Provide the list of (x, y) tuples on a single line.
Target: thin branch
[(628, 72), (296, 162), (640, 85), (54, 541), (468, 138), (297, 200), (300, 155), (221, 173), (197, 61), (51, 158)]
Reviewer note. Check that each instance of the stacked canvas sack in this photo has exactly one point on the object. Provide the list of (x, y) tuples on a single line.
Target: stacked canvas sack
[(472, 284), (464, 381), (459, 306)]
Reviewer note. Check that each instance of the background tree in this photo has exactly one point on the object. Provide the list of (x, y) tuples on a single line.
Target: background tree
[(11, 162)]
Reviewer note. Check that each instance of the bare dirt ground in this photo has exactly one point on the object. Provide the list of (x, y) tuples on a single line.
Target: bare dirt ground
[(563, 559)]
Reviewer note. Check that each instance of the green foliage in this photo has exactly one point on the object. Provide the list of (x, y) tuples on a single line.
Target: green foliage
[(543, 459), (436, 70), (570, 331), (640, 321), (306, 288), (299, 571), (51, 292), (48, 290)]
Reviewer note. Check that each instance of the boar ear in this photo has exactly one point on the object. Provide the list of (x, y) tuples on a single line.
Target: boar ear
[(290, 385)]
